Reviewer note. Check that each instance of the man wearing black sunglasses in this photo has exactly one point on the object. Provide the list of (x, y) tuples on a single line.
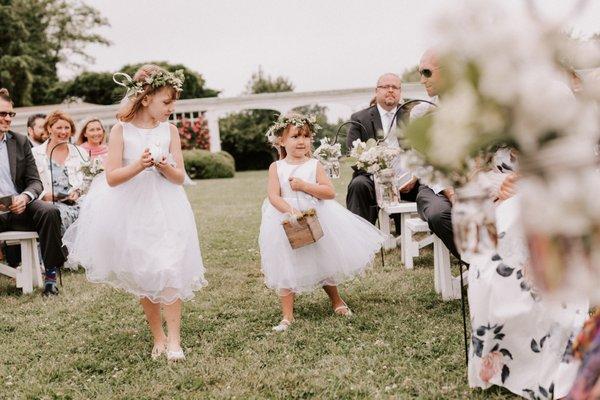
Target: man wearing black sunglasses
[(434, 204), (19, 178)]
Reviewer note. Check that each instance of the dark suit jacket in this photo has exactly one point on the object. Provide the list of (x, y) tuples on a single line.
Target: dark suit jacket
[(23, 169), (371, 120)]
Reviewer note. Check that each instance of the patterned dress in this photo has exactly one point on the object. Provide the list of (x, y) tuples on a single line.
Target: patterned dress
[(61, 187), (519, 340)]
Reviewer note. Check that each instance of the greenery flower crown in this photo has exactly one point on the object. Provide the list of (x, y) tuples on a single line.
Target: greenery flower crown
[(155, 80), (276, 130)]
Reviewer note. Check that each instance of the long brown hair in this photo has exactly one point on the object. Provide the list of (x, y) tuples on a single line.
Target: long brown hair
[(82, 138), (133, 105)]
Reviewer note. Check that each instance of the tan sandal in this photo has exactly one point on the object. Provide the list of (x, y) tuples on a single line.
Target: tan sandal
[(347, 313)]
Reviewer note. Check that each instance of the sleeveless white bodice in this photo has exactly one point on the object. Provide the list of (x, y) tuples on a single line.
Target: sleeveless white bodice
[(307, 172), (135, 140)]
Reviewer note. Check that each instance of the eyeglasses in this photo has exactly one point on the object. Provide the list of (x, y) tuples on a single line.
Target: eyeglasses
[(388, 87), (427, 72), (4, 114)]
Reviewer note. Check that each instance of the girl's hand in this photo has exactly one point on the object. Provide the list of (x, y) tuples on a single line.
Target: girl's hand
[(146, 160), (297, 184), (162, 164), (73, 196), (296, 213)]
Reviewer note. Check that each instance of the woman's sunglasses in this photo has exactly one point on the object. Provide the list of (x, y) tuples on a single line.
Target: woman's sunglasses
[(4, 114)]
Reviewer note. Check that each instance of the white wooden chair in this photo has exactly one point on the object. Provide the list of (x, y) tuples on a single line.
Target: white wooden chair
[(405, 209), (29, 273), (445, 283)]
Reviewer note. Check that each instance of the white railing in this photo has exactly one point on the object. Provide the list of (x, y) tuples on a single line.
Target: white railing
[(216, 107)]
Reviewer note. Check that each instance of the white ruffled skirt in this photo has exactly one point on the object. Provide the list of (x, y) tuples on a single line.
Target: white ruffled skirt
[(139, 236), (346, 250)]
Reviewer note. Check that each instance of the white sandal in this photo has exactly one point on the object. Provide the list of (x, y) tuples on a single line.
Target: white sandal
[(283, 325), (348, 312), (175, 355)]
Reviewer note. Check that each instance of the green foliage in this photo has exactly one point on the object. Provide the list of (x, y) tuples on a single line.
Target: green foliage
[(93, 87), (202, 164), (262, 83), (37, 36), (243, 134)]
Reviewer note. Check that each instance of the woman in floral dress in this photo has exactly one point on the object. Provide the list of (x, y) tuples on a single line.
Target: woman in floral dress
[(519, 339)]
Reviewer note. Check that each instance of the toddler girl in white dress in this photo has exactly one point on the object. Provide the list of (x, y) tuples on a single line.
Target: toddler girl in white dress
[(298, 183)]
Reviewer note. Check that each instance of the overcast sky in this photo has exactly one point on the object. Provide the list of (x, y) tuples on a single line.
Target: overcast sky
[(317, 44)]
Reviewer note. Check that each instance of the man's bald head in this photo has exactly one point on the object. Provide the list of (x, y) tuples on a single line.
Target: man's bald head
[(429, 67), (388, 91)]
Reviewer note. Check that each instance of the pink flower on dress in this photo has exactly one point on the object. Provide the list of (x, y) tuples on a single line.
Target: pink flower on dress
[(490, 366)]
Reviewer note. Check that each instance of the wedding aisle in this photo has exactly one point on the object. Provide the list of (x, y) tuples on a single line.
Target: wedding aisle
[(91, 342)]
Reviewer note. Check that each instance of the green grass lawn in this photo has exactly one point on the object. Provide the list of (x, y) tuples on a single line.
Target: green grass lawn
[(92, 342)]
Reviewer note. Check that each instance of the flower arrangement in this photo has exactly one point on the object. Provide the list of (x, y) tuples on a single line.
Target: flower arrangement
[(194, 135), (371, 157), (92, 167), (502, 85), (327, 150)]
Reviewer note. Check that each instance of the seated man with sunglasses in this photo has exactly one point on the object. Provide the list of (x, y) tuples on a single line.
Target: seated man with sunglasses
[(375, 122), (19, 178), (434, 204)]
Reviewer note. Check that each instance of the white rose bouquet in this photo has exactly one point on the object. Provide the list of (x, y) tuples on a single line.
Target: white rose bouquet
[(371, 157)]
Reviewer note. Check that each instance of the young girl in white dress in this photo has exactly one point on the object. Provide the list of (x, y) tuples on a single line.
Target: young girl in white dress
[(136, 229), (298, 183)]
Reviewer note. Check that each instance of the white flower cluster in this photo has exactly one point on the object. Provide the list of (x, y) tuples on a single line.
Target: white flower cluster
[(276, 130), (502, 84), (371, 157), (327, 150), (92, 167)]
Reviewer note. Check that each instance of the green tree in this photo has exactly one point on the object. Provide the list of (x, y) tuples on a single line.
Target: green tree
[(243, 134), (37, 37), (99, 88)]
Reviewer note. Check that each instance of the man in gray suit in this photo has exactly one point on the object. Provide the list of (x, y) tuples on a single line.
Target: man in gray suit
[(19, 178)]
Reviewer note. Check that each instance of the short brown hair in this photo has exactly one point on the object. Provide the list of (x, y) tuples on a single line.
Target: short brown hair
[(56, 116), (5, 95), (134, 105)]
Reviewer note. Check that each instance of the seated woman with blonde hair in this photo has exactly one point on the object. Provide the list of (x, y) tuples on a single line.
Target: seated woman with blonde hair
[(61, 176), (92, 138)]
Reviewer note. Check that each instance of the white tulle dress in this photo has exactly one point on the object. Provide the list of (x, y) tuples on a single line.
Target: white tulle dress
[(347, 248), (139, 236)]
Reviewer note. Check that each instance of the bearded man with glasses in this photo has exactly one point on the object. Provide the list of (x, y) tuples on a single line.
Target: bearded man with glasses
[(376, 120), (19, 178)]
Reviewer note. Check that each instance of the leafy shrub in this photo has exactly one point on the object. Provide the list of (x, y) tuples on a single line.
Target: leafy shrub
[(202, 164)]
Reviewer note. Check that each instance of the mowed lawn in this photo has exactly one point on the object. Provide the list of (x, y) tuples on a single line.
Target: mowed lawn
[(91, 342)]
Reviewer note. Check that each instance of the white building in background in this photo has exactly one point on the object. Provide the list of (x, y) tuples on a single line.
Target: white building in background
[(344, 102)]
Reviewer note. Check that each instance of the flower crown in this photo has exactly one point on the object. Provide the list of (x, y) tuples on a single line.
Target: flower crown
[(275, 131), (155, 80)]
